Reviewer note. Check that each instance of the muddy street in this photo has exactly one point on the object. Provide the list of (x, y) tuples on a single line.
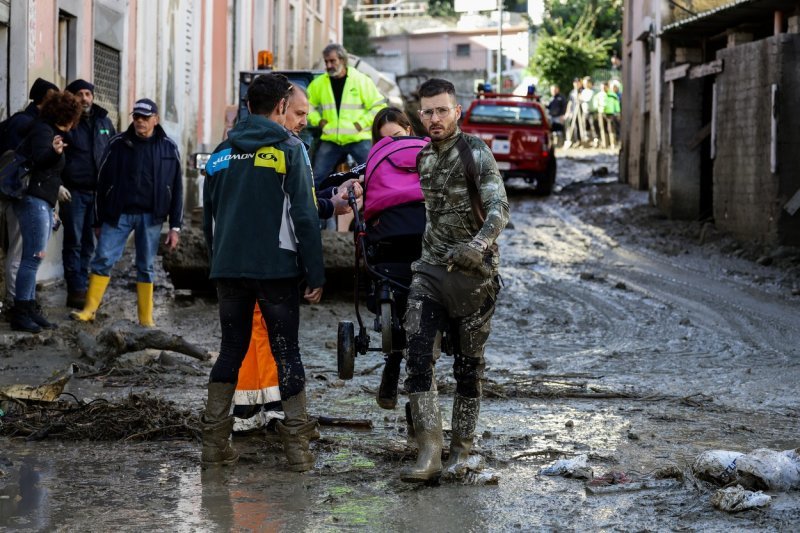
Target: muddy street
[(635, 340)]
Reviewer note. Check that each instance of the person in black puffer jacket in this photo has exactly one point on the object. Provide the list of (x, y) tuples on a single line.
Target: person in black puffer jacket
[(44, 145)]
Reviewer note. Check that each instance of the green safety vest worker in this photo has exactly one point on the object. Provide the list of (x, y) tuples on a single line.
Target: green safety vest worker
[(611, 106), (361, 101)]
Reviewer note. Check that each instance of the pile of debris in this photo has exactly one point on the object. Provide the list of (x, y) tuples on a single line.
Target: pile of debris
[(137, 417)]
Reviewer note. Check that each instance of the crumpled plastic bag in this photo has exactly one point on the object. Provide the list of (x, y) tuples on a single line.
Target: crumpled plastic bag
[(716, 466), (769, 469), (735, 499), (470, 472), (576, 468)]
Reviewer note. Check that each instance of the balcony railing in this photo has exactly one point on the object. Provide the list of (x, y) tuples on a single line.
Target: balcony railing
[(390, 10)]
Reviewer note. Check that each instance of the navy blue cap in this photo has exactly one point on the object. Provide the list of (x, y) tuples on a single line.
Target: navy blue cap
[(145, 107)]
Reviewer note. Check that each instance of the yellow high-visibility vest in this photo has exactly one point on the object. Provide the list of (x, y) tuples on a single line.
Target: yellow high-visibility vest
[(361, 101)]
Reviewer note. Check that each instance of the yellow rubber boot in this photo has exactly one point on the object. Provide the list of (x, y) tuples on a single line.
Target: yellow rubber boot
[(145, 303), (94, 295)]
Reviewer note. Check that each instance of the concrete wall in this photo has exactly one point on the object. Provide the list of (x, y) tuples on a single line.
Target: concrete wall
[(748, 196)]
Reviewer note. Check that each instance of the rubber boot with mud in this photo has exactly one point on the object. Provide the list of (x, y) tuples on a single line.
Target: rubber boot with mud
[(296, 430), (465, 418), (217, 423), (37, 315), (94, 295), (20, 317), (428, 429), (387, 391), (144, 303)]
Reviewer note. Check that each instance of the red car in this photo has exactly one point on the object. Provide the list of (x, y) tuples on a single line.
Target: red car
[(517, 131)]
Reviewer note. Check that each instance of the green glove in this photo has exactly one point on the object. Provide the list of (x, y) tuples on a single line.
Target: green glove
[(469, 258)]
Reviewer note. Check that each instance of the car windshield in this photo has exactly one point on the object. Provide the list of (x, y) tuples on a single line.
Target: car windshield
[(506, 114)]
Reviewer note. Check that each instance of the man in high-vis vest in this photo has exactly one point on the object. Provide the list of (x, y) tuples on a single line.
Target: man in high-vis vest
[(344, 103)]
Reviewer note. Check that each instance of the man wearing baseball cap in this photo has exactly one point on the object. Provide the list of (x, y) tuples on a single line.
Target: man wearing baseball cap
[(139, 187), (90, 137)]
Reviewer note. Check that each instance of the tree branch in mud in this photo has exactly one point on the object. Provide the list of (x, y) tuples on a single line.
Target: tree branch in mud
[(355, 423), (124, 336), (137, 417)]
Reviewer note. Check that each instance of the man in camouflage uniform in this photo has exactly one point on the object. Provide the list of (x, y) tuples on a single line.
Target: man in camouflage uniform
[(455, 281)]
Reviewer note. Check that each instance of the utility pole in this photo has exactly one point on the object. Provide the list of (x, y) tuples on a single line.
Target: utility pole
[(499, 87)]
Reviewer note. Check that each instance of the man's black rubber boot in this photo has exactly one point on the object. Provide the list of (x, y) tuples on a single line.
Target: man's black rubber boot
[(387, 392)]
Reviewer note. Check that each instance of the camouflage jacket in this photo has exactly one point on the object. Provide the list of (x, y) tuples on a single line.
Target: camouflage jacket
[(450, 220)]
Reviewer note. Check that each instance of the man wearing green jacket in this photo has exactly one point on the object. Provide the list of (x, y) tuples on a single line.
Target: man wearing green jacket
[(611, 112), (262, 230), (344, 103)]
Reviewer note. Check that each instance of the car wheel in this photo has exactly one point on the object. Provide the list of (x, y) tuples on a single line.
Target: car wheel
[(386, 327), (345, 350), (544, 185)]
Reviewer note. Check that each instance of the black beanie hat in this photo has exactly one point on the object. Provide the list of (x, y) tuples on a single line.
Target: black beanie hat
[(39, 90), (78, 85)]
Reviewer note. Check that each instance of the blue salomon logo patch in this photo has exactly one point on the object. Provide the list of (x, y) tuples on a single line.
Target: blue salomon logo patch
[(218, 161)]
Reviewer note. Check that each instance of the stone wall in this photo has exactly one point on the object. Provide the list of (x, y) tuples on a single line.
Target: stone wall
[(748, 197)]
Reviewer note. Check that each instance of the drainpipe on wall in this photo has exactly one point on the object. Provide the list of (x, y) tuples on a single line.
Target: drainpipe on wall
[(773, 142), (778, 28), (499, 46)]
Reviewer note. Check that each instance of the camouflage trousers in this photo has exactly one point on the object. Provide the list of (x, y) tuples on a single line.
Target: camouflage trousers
[(460, 306)]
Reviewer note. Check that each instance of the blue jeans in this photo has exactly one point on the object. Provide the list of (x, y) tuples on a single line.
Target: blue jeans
[(329, 154), (35, 218), (112, 240), (76, 216)]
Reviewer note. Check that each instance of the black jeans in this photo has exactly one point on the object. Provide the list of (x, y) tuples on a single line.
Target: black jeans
[(279, 301)]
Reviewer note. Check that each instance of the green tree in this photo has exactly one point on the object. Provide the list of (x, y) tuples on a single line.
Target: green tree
[(517, 6), (607, 17), (441, 8), (356, 35), (566, 52)]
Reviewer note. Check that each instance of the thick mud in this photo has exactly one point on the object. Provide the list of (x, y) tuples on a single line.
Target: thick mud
[(619, 334)]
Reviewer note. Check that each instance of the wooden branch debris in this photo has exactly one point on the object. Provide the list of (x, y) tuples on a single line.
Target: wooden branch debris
[(548, 452), (355, 423), (125, 336)]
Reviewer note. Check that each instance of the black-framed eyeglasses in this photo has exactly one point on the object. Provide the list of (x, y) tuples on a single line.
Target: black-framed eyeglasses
[(137, 116)]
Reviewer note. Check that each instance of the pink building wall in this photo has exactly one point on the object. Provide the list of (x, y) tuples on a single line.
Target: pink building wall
[(438, 50)]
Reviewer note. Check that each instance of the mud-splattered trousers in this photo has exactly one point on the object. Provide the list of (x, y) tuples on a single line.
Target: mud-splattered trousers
[(458, 304), (279, 301)]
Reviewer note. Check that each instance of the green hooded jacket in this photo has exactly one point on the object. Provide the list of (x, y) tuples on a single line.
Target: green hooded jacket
[(259, 213)]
